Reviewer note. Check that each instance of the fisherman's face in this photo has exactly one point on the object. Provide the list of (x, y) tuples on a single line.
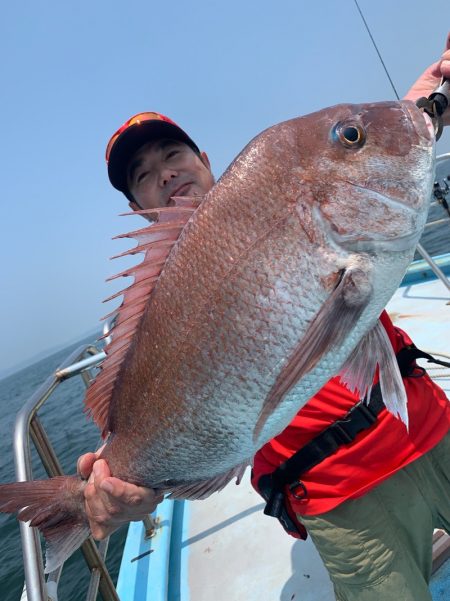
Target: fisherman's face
[(165, 168)]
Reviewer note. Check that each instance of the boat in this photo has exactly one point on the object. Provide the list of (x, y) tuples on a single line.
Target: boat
[(225, 547)]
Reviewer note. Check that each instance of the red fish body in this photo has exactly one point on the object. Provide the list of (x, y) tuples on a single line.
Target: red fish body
[(244, 307)]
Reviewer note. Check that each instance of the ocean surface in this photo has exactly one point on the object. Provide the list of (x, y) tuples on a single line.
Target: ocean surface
[(72, 434)]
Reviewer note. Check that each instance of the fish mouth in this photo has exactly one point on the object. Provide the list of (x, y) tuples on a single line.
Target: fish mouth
[(373, 245), (421, 122)]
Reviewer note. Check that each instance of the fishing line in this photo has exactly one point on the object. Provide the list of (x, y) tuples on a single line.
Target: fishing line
[(420, 248), (376, 48)]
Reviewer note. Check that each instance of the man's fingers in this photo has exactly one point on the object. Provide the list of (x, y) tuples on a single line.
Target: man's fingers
[(99, 532), (85, 463), (124, 492), (111, 502), (131, 497), (99, 502), (445, 65), (114, 497), (442, 67), (100, 471), (115, 488)]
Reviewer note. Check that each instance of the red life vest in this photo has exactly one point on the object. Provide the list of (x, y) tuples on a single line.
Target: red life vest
[(374, 455)]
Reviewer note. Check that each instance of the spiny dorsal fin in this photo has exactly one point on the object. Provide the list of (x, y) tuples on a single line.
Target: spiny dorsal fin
[(155, 242)]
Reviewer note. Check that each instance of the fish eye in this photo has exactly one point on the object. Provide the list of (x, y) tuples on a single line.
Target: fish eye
[(349, 135)]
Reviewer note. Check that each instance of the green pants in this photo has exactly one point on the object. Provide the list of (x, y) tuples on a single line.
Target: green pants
[(379, 547)]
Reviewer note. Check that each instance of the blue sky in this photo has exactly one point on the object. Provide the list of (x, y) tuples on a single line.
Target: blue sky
[(72, 72)]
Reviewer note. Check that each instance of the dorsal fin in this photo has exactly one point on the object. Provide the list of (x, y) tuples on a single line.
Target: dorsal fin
[(155, 242)]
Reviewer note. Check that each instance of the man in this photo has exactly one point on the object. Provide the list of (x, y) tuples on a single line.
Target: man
[(375, 538)]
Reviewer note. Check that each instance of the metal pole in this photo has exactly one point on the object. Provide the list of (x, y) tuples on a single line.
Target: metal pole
[(27, 423), (438, 272), (44, 448), (99, 571), (74, 369), (31, 548)]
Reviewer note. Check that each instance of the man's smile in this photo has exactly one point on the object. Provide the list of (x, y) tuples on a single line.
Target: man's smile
[(181, 190)]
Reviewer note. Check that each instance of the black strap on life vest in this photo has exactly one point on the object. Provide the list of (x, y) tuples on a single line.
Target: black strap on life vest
[(343, 431)]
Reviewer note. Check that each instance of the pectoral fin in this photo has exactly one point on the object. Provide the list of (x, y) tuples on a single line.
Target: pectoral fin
[(359, 371), (336, 318)]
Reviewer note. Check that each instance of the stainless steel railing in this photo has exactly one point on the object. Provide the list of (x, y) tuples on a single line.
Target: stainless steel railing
[(434, 268), (441, 195), (29, 428)]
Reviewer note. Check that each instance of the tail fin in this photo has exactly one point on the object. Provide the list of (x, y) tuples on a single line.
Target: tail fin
[(56, 507)]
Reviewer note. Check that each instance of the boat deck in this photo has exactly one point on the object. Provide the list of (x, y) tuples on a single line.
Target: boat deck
[(226, 548)]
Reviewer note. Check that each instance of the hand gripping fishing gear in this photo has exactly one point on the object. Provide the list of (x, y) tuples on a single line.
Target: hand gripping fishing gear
[(287, 477), (434, 106)]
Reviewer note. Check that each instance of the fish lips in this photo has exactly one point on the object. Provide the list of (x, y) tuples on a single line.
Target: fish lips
[(372, 245), (422, 123)]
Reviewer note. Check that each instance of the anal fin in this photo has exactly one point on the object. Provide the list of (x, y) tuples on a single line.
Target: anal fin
[(204, 488)]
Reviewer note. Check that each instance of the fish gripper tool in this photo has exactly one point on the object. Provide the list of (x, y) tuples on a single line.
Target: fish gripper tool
[(435, 105)]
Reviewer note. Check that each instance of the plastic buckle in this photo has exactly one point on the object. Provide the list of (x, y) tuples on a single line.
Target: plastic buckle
[(300, 496), (359, 418)]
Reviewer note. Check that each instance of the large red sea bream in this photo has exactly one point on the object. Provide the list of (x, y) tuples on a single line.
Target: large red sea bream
[(245, 306)]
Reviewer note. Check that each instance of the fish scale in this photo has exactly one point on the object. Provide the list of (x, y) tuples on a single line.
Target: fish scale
[(245, 306), (230, 345)]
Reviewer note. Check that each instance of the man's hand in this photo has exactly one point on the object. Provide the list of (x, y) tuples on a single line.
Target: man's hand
[(431, 78), (111, 502)]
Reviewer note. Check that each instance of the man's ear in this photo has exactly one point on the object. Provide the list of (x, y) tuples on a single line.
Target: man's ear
[(205, 159)]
